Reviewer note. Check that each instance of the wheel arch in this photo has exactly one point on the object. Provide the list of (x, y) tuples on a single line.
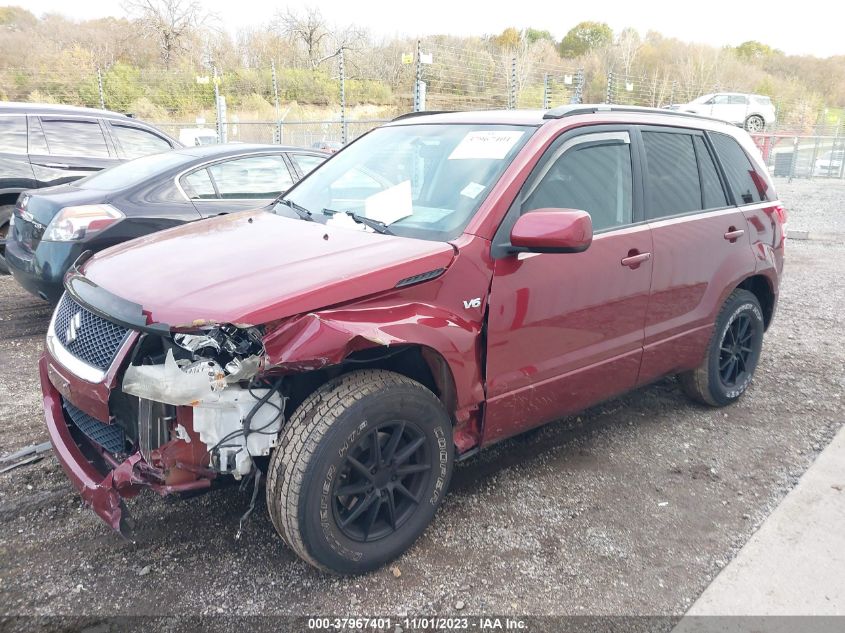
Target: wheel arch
[(419, 341), (762, 288)]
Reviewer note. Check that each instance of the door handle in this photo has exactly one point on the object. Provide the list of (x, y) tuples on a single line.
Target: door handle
[(733, 234), (55, 165), (635, 258)]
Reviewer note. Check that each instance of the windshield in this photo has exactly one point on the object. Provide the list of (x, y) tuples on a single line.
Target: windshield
[(132, 172), (424, 181)]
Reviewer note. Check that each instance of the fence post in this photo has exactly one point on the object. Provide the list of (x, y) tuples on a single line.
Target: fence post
[(546, 91), (610, 87), (278, 132), (418, 79), (343, 128), (578, 97), (218, 108), (100, 87), (512, 98), (794, 159)]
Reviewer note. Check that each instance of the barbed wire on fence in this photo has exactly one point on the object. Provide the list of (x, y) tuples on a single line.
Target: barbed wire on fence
[(350, 92)]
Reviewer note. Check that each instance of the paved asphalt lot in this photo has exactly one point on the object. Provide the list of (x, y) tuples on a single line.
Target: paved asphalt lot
[(631, 508)]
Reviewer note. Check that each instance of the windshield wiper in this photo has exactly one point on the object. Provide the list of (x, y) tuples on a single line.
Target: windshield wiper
[(375, 225), (301, 211)]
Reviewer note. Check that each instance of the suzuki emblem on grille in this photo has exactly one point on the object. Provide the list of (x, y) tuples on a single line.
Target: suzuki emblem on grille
[(73, 328)]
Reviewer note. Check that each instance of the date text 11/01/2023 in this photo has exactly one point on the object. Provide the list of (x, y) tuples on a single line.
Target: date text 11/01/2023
[(420, 623)]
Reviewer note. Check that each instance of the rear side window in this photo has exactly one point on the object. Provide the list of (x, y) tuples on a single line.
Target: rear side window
[(75, 138), (746, 182), (13, 135), (712, 194), (593, 176), (673, 183), (136, 142), (307, 162), (255, 177), (738, 100), (197, 185)]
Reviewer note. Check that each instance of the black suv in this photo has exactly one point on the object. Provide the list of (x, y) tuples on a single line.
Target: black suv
[(43, 145)]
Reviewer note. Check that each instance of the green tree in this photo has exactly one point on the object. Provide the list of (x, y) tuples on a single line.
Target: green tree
[(16, 18), (536, 35), (754, 50), (584, 37)]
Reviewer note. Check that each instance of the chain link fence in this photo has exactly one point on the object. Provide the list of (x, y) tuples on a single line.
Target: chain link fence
[(351, 92)]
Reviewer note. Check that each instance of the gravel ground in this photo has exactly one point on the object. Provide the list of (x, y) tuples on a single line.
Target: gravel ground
[(630, 508), (816, 205)]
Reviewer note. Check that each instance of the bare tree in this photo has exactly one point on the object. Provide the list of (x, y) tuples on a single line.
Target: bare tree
[(310, 30), (307, 29), (629, 44), (169, 22)]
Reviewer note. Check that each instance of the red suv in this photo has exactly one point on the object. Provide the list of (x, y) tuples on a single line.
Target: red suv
[(443, 283)]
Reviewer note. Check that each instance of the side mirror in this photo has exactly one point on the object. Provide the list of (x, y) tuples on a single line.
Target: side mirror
[(553, 231)]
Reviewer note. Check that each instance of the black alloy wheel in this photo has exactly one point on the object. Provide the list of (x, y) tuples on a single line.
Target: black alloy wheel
[(382, 481), (735, 350)]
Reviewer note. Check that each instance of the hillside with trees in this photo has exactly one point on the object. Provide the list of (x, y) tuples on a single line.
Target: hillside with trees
[(161, 62)]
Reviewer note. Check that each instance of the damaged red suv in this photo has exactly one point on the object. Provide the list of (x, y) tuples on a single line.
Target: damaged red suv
[(443, 283)]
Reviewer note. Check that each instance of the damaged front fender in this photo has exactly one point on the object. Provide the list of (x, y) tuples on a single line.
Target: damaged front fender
[(321, 339)]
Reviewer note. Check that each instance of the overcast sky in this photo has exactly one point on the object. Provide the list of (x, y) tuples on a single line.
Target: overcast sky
[(812, 28)]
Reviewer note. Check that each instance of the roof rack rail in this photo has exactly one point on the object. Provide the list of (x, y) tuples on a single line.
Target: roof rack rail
[(411, 115), (573, 110)]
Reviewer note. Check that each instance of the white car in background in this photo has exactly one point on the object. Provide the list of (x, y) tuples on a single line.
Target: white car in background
[(753, 112), (829, 163)]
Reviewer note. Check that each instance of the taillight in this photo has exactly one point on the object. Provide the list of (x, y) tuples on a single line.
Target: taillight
[(780, 213), (76, 223)]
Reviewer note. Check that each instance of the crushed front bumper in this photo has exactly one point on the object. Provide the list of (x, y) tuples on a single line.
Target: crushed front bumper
[(104, 491), (101, 492)]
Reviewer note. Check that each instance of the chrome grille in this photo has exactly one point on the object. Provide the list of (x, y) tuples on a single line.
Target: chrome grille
[(85, 335)]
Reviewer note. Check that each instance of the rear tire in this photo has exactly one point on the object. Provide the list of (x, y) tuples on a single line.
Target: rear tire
[(360, 470), (755, 123), (732, 354), (5, 216)]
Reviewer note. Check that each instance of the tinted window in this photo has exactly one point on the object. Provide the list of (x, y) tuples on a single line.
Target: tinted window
[(255, 177), (594, 177), (133, 172), (712, 193), (136, 142), (197, 186), (748, 184), (13, 134), (673, 185), (307, 162), (75, 138), (737, 100)]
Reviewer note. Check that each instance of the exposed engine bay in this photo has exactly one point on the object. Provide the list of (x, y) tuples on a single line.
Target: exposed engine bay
[(234, 414)]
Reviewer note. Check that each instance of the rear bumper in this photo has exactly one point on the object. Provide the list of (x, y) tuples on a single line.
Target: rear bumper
[(42, 272)]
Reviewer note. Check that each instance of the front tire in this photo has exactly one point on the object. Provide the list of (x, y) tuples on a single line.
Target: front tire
[(360, 470), (732, 354)]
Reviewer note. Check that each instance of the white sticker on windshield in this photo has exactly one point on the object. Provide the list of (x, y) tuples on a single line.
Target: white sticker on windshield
[(485, 144), (472, 190), (390, 205)]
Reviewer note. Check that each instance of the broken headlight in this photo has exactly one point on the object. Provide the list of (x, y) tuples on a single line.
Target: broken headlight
[(237, 350)]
